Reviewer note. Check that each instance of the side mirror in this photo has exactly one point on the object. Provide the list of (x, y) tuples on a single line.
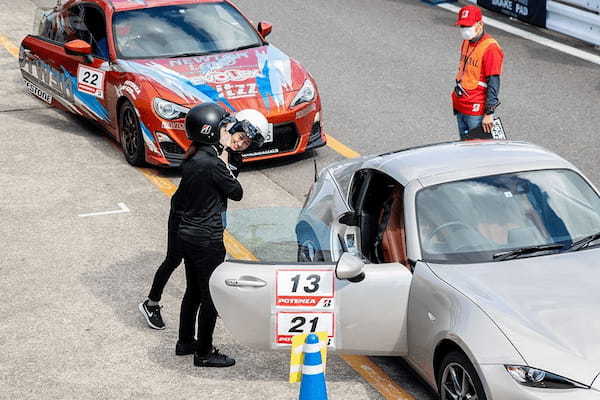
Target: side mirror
[(264, 28), (350, 267), (78, 48), (350, 218)]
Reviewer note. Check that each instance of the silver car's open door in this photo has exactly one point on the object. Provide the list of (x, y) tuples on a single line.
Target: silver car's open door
[(265, 304)]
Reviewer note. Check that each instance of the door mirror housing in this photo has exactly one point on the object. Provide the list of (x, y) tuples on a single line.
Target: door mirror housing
[(349, 218), (78, 48), (265, 28), (349, 267)]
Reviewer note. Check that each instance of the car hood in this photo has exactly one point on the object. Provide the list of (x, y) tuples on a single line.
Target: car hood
[(548, 307), (264, 78)]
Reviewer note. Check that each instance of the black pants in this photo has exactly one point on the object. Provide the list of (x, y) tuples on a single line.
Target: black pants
[(171, 262), (201, 259)]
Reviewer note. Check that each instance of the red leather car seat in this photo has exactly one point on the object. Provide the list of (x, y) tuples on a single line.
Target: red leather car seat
[(393, 239)]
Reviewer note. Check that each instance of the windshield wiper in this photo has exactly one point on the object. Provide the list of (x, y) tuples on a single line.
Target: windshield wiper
[(583, 243), (248, 46), (192, 54), (506, 255)]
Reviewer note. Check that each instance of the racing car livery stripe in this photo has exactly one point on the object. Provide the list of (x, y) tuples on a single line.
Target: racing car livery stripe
[(9, 46)]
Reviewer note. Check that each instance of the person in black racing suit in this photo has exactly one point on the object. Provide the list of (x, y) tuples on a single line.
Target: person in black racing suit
[(242, 136)]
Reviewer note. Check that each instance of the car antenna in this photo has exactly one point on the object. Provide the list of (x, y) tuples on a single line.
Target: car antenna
[(316, 169)]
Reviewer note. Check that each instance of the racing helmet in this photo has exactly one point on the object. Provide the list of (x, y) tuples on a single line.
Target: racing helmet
[(253, 123), (203, 123)]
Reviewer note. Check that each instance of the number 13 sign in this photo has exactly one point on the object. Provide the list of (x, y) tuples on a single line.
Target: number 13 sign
[(305, 288)]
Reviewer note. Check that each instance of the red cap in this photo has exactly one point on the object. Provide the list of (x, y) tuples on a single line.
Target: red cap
[(468, 16)]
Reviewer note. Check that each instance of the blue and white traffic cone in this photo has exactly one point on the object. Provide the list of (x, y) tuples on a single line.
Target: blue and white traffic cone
[(313, 385)]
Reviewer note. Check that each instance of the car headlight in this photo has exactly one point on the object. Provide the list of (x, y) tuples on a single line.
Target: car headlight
[(167, 110), (305, 94), (537, 378)]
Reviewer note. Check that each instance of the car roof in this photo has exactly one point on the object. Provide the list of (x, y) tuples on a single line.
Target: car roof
[(458, 160), (122, 5)]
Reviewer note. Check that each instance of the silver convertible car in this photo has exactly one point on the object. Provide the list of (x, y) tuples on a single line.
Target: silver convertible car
[(478, 262)]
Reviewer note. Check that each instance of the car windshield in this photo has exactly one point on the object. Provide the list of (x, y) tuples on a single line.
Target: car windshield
[(473, 220), (182, 30)]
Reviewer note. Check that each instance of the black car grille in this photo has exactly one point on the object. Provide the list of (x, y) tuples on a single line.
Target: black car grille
[(173, 153), (285, 139)]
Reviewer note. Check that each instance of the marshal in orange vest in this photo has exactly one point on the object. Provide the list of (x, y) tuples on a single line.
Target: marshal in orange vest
[(471, 61)]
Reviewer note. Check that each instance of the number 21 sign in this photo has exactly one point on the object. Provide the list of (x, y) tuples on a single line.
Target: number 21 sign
[(305, 288)]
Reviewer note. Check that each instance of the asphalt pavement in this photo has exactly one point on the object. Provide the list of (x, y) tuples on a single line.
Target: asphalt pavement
[(71, 284)]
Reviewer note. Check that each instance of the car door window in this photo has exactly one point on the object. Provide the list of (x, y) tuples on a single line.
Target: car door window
[(54, 27), (87, 23)]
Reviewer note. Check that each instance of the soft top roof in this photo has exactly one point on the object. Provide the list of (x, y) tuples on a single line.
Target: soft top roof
[(463, 158)]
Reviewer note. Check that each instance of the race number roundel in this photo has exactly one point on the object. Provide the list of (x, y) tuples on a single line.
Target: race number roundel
[(305, 288), (290, 324), (90, 81)]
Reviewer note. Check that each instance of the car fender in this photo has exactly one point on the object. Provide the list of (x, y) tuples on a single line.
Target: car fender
[(437, 312)]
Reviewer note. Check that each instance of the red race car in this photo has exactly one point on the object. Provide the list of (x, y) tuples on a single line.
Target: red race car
[(137, 66)]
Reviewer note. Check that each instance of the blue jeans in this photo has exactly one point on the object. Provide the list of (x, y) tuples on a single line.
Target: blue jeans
[(467, 122)]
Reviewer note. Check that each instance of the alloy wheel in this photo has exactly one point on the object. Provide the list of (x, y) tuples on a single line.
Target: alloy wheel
[(457, 384), (130, 132)]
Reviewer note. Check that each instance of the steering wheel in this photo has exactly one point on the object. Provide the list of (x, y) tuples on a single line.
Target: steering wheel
[(453, 225)]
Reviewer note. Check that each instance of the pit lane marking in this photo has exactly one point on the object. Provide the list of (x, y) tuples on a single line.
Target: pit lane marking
[(366, 368), (122, 209), (9, 46)]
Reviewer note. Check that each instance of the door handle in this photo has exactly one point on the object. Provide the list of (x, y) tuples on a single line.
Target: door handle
[(246, 282)]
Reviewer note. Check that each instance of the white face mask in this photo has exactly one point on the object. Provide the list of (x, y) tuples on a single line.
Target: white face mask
[(469, 33)]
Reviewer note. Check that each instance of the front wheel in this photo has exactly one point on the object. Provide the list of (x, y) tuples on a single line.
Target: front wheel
[(132, 141), (458, 379)]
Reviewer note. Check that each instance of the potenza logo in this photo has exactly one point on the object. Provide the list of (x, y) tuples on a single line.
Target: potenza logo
[(206, 130)]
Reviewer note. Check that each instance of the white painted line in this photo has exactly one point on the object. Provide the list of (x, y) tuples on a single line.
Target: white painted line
[(122, 209), (584, 55)]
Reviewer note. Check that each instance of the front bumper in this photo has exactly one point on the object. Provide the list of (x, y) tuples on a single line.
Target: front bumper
[(501, 386)]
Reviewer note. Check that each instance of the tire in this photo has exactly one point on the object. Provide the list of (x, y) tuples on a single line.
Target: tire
[(308, 248), (458, 365), (132, 141)]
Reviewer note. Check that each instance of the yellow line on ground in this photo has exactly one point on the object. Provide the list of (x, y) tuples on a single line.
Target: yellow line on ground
[(341, 148), (377, 377), (9, 46), (366, 368)]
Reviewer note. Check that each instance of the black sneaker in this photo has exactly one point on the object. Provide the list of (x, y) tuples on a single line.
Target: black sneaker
[(152, 315), (183, 348), (213, 359)]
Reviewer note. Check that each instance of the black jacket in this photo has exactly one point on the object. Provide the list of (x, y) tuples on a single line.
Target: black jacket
[(206, 184)]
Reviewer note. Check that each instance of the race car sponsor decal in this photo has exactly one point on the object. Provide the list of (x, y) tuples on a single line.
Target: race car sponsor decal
[(290, 324), (305, 288), (91, 81), (57, 81), (209, 63), (62, 85), (227, 76), (178, 126), (37, 92), (237, 91), (260, 153), (131, 88), (276, 75)]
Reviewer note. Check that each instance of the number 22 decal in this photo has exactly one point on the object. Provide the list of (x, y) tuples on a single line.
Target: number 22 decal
[(91, 81)]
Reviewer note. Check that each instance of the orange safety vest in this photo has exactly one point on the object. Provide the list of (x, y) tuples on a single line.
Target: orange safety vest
[(470, 64)]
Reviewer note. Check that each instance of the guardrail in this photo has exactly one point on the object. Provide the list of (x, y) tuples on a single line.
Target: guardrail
[(576, 18)]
